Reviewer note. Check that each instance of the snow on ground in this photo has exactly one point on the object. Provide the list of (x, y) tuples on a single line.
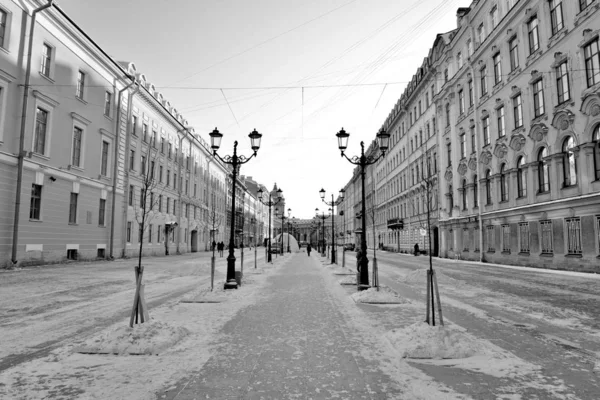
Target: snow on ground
[(152, 337), (420, 276), (452, 347), (384, 295), (348, 280)]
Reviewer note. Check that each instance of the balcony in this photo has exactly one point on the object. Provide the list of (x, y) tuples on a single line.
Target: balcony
[(395, 224)]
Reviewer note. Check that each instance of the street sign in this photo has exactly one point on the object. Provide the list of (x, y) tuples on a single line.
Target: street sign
[(423, 231)]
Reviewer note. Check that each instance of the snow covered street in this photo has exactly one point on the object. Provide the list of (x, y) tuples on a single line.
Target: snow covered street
[(293, 330)]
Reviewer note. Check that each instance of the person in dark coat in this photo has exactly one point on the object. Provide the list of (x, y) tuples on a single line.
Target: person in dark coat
[(416, 249), (214, 245), (308, 248)]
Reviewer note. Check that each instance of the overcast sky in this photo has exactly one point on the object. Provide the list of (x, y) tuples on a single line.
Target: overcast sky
[(290, 69)]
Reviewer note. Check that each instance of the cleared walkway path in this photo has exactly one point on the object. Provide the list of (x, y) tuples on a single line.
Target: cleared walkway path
[(292, 344)]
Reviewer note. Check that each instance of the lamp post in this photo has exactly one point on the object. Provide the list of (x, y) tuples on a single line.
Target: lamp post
[(322, 217), (383, 139), (235, 161), (270, 203), (282, 213), (332, 204), (343, 214)]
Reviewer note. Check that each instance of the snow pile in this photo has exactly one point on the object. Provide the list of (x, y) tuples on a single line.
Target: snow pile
[(349, 280), (420, 276), (385, 295), (421, 340), (148, 338)]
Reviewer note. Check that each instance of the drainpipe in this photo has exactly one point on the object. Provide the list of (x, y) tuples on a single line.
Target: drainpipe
[(477, 132), (116, 158), (21, 154), (126, 172)]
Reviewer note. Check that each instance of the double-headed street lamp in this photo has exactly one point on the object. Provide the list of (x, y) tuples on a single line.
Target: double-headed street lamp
[(235, 161), (270, 203), (332, 204), (322, 217), (383, 139)]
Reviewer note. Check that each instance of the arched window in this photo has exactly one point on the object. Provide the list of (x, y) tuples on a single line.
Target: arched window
[(543, 171), (521, 178), (569, 165), (488, 187), (464, 194), (503, 183), (450, 200), (475, 194), (596, 139)]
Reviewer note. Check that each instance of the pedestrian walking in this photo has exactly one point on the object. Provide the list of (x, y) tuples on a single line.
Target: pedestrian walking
[(416, 249), (220, 248), (308, 248), (214, 245)]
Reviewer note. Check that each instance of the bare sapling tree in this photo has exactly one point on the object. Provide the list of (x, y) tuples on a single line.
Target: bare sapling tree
[(144, 206), (427, 185), (371, 209), (214, 221)]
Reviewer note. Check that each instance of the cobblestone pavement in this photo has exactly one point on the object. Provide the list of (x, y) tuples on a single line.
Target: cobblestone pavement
[(295, 344)]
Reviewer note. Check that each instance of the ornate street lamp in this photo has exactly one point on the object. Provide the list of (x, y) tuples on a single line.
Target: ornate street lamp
[(322, 217), (288, 226), (332, 204), (383, 139), (270, 203), (282, 214), (235, 161)]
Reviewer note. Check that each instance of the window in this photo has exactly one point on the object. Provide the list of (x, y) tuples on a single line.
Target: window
[(486, 131), (503, 183), (40, 131), (140, 234), (449, 152), (143, 165), (35, 205), (473, 140), (533, 35), (463, 146), (562, 83), (450, 199), (461, 101), (521, 178), (142, 198), (168, 177), (160, 173), (524, 237), (460, 60), (518, 111), (134, 120), (145, 132), (447, 115), (104, 159), (46, 59), (592, 63), (80, 85), (101, 212), (547, 237), (170, 148), (497, 69), (76, 156), (569, 165), (506, 238), (583, 4), (501, 124), (160, 203), (538, 98), (470, 47), (131, 194), (484, 88), (556, 15), (128, 231), (543, 171), (464, 194), (131, 160), (154, 138), (162, 145), (73, 208), (426, 99), (573, 235), (488, 187), (150, 233), (596, 139), (168, 204), (107, 103), (471, 98), (481, 33), (174, 181), (490, 238), (513, 53), (446, 75), (152, 169), (465, 239), (494, 16), (3, 30), (475, 192)]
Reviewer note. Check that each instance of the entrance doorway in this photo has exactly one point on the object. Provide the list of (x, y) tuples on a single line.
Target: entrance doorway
[(194, 241), (436, 242)]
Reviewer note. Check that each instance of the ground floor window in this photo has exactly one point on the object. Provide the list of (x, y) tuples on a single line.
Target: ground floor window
[(524, 237), (129, 232), (490, 238), (506, 238), (573, 235), (465, 239), (476, 239), (547, 243)]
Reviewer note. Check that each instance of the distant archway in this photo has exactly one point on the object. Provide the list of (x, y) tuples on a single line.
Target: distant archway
[(294, 247), (194, 241)]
